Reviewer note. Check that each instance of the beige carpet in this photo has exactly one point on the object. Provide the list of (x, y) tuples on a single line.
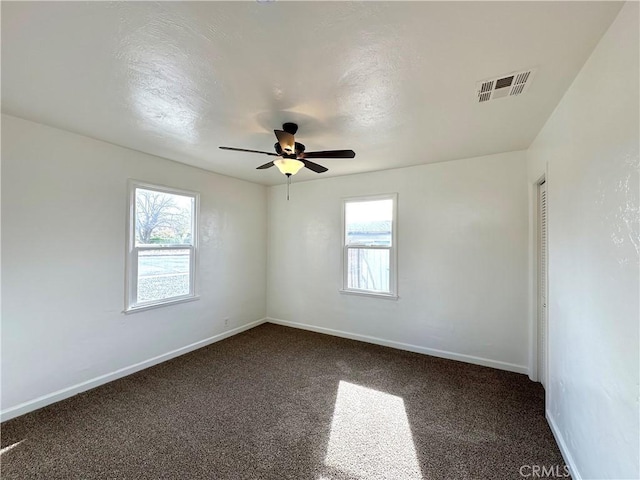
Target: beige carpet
[(276, 403)]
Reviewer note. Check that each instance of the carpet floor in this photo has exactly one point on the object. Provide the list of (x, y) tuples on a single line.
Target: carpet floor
[(281, 403)]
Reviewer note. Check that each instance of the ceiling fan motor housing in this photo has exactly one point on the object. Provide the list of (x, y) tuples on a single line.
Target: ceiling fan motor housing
[(299, 149)]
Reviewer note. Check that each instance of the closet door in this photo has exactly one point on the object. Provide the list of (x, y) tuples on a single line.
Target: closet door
[(543, 327)]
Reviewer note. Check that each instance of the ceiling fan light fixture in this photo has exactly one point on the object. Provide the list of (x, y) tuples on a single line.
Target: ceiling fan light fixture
[(288, 166)]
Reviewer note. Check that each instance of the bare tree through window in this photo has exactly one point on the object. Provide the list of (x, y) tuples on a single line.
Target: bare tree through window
[(159, 216), (161, 258)]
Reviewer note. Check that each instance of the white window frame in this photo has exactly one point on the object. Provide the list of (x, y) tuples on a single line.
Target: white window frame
[(131, 277), (393, 249)]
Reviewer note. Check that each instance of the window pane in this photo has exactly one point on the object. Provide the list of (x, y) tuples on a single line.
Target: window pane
[(163, 274), (369, 223), (163, 218), (368, 269)]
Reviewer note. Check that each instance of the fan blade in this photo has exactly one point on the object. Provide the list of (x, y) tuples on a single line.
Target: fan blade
[(286, 141), (266, 165), (314, 166), (247, 150), (330, 154)]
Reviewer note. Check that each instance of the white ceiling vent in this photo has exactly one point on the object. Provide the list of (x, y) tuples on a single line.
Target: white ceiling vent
[(511, 84)]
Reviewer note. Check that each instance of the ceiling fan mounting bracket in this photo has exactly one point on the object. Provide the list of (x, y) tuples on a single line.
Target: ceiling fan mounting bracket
[(290, 127)]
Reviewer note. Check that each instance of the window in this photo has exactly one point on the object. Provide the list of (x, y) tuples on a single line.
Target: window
[(161, 246), (369, 245)]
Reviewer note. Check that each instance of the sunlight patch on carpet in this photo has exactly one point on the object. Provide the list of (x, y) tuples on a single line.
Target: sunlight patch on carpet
[(10, 447), (370, 435)]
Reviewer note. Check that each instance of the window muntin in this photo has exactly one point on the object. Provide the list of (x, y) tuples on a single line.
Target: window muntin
[(161, 250), (369, 250)]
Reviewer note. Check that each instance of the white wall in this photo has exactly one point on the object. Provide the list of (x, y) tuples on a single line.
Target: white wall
[(590, 148), (64, 201), (462, 260)]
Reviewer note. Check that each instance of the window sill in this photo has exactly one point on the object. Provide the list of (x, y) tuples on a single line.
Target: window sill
[(362, 293), (151, 306)]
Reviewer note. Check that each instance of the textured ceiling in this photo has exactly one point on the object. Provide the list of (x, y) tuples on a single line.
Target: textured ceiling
[(393, 81)]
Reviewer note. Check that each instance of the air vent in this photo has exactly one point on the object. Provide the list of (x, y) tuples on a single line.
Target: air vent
[(508, 85)]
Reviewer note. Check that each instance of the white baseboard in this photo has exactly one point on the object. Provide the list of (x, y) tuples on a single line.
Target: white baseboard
[(511, 367), (568, 459), (54, 397)]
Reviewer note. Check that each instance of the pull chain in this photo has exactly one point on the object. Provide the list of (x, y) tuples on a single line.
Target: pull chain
[(288, 183)]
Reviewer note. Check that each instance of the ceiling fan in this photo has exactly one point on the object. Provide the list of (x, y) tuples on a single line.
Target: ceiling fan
[(291, 154)]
